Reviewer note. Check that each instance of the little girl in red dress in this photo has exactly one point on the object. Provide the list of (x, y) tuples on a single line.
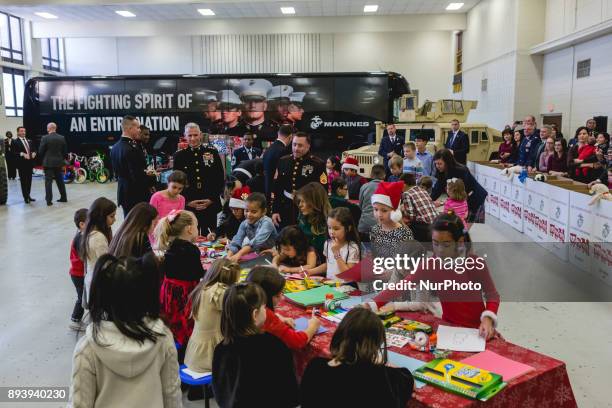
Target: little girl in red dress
[(175, 235)]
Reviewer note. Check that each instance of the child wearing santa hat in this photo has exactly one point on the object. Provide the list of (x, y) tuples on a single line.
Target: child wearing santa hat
[(389, 237), (230, 224), (354, 181)]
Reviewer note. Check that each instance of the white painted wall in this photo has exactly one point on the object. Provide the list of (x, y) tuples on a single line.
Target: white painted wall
[(489, 51), (496, 42), (421, 57), (490, 33), (91, 56), (564, 17), (154, 55), (578, 99), (562, 93), (495, 106)]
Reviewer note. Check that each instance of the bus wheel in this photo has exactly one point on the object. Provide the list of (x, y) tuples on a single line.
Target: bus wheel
[(80, 176), (103, 176)]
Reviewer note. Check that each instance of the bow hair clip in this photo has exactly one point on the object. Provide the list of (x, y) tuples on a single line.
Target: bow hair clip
[(173, 214)]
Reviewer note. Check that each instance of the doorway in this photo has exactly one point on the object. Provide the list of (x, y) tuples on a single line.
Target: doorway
[(553, 120)]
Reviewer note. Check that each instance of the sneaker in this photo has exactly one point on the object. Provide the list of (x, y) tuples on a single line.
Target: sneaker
[(76, 325)]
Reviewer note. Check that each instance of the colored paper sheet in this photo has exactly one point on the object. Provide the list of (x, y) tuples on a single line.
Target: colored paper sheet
[(313, 297), (301, 324), (490, 361), (400, 360)]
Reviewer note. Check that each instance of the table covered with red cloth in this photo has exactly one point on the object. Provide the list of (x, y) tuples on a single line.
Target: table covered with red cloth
[(547, 386)]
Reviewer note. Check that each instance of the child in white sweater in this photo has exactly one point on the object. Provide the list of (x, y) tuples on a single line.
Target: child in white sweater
[(127, 348)]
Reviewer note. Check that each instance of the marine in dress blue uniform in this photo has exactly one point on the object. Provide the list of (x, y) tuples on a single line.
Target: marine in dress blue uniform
[(129, 166), (205, 178), (292, 174)]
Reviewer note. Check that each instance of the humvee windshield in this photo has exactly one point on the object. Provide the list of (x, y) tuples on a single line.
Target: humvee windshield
[(430, 134)]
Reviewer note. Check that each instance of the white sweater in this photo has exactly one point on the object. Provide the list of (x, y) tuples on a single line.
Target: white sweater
[(125, 373), (97, 245)]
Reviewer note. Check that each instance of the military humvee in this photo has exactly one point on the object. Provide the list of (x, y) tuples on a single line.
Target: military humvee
[(433, 120)]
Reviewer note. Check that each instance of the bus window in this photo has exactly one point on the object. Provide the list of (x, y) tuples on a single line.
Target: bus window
[(429, 134), (474, 137), (484, 137)]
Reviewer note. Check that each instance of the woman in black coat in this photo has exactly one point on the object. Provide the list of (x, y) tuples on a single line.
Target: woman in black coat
[(447, 168), (11, 166)]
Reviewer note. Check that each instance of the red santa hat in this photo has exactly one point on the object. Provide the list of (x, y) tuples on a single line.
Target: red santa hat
[(351, 163), (238, 198), (390, 194)]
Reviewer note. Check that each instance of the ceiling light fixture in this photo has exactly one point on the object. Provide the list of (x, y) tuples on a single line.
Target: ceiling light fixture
[(206, 12), (370, 8), (44, 14), (125, 13), (454, 6), (287, 10)]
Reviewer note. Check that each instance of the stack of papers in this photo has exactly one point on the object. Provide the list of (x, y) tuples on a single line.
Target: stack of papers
[(195, 375)]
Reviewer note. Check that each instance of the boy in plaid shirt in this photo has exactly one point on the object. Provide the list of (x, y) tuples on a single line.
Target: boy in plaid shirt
[(418, 209)]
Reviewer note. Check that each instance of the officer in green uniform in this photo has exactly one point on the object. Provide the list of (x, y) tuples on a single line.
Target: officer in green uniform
[(295, 171), (205, 176)]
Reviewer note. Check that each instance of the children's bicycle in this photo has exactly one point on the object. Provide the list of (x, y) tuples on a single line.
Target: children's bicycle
[(73, 172), (96, 170)]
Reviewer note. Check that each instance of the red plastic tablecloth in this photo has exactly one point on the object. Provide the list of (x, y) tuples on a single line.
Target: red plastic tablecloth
[(547, 386)]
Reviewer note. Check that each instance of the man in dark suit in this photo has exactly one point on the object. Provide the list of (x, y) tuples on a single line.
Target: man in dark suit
[(391, 144), (130, 166), (25, 156), (281, 147), (457, 142), (53, 150), (246, 152)]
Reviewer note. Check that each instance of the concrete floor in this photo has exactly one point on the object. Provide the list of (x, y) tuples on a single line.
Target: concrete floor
[(37, 298)]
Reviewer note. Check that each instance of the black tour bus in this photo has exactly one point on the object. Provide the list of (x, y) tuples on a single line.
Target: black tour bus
[(337, 109)]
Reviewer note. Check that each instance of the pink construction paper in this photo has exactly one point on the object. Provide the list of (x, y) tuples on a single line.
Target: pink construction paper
[(490, 361), (249, 256)]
